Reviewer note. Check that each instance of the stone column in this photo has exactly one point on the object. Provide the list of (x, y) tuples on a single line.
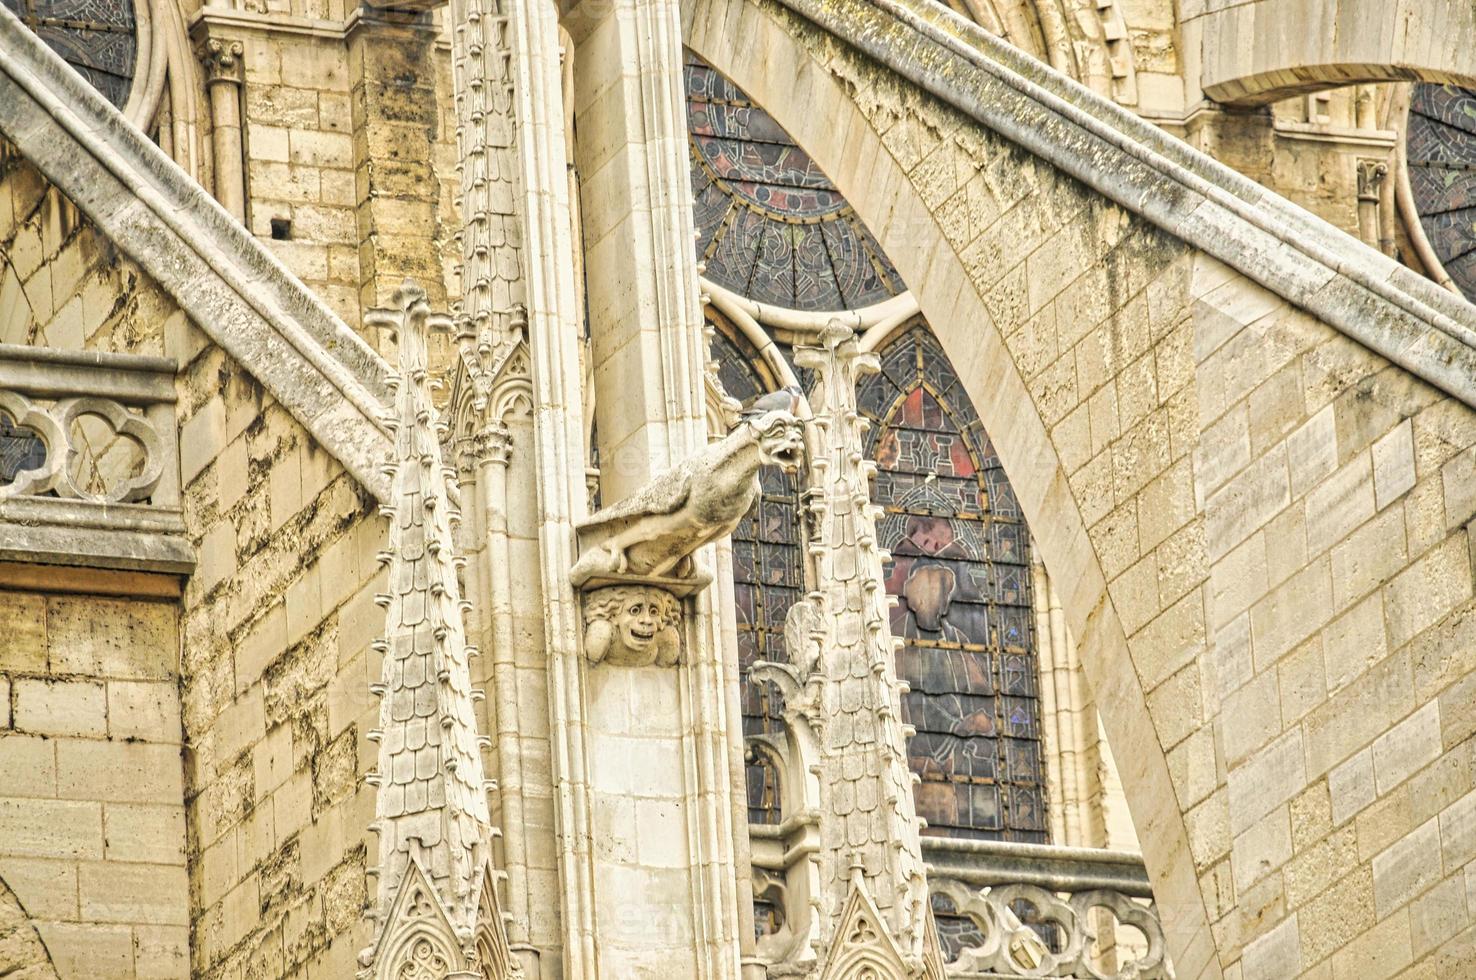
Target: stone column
[(665, 886), (1371, 174), (641, 268), (224, 76)]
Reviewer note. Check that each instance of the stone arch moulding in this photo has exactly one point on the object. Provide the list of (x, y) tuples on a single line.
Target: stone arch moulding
[(1322, 44), (785, 74), (22, 952)]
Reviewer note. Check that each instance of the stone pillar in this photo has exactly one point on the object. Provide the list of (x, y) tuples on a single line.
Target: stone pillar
[(1371, 174), (396, 131), (665, 886), (224, 76), (641, 269)]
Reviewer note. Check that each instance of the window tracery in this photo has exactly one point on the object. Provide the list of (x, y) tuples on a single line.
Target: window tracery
[(770, 225), (96, 37), (961, 573), (1441, 148)]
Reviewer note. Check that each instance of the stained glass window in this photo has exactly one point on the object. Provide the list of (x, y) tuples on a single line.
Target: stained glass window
[(96, 37), (1441, 147), (961, 574), (20, 449), (770, 225), (767, 579)]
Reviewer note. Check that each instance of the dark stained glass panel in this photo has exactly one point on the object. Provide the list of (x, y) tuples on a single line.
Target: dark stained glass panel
[(767, 578), (96, 37), (770, 225), (1441, 147), (20, 449), (961, 573)]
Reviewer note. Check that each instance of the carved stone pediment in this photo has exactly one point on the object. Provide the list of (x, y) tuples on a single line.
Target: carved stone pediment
[(864, 948)]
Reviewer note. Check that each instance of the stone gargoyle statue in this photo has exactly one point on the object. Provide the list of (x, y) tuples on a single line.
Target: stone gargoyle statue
[(654, 532)]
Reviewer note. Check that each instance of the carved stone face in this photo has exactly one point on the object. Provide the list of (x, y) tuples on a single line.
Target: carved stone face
[(632, 626), (781, 439), (638, 622)]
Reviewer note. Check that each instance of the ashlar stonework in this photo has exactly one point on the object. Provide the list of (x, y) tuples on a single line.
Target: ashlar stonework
[(568, 647)]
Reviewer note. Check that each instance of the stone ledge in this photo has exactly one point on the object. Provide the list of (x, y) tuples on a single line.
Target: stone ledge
[(985, 862), (51, 531)]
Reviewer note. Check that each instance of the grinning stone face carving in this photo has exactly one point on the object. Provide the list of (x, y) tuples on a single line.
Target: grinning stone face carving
[(781, 440), (632, 626)]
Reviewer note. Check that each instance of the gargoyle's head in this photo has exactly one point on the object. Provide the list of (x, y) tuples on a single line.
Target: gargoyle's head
[(781, 439)]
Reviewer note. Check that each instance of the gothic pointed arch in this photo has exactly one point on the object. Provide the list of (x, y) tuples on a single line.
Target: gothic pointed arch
[(960, 547)]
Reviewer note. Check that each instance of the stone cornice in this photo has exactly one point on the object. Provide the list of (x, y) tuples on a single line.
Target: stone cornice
[(1351, 287), (230, 22), (229, 284)]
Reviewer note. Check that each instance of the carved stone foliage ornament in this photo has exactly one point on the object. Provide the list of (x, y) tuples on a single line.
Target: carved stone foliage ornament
[(222, 60), (632, 626)]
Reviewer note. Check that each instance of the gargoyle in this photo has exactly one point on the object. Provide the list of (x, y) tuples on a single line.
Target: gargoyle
[(655, 531)]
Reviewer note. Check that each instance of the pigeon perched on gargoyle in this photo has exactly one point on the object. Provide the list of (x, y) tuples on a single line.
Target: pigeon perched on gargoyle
[(655, 531)]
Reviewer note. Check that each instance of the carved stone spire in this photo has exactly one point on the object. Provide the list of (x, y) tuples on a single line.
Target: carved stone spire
[(486, 128), (843, 694), (436, 903)]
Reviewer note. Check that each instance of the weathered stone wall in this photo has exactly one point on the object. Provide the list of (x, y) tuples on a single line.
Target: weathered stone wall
[(350, 140), (62, 284), (300, 161), (1260, 526), (276, 670), (92, 817)]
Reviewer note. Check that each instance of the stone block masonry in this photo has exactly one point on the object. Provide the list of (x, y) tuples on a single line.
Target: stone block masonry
[(276, 668), (92, 815)]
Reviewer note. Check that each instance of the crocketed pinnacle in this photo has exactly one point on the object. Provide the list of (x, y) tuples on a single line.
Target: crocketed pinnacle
[(432, 802), (870, 847)]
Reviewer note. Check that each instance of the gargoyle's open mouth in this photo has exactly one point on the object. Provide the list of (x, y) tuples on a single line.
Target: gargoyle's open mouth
[(789, 457), (643, 635)]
